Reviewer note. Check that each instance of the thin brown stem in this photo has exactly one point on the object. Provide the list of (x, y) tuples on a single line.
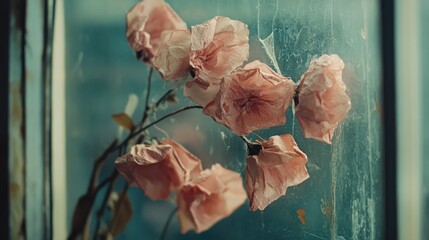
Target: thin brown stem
[(163, 98), (165, 117), (121, 201), (134, 134), (246, 141), (98, 164), (100, 212), (252, 148), (102, 184), (167, 224), (122, 148), (146, 109), (93, 188)]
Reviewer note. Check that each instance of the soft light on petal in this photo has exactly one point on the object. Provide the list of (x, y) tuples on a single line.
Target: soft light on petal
[(158, 169), (279, 165), (209, 198), (251, 98), (146, 22), (322, 101), (172, 59), (200, 91), (218, 46)]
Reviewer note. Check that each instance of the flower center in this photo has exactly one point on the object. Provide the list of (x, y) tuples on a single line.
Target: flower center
[(247, 102)]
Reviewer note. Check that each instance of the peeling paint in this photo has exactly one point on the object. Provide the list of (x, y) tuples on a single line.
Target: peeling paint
[(16, 163)]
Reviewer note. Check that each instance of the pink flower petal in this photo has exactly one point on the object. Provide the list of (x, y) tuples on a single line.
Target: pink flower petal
[(279, 165), (146, 22), (218, 46), (158, 169), (200, 91), (252, 98), (190, 164), (322, 100), (172, 59), (211, 197)]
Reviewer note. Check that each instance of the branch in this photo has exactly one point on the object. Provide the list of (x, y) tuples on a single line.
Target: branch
[(146, 109), (98, 164), (246, 141), (252, 148), (167, 224), (131, 136), (100, 212), (163, 97), (91, 191), (118, 207)]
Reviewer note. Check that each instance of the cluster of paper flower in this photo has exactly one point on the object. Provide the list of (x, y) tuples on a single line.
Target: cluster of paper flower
[(242, 98)]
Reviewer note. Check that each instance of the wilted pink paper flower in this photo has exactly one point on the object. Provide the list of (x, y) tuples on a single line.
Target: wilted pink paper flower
[(218, 46), (172, 59), (322, 101), (252, 98), (278, 165), (209, 198), (146, 22), (158, 168)]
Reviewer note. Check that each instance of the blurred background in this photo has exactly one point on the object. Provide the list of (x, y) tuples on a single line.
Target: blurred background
[(68, 67)]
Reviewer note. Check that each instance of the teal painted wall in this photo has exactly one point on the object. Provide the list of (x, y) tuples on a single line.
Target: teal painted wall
[(342, 198)]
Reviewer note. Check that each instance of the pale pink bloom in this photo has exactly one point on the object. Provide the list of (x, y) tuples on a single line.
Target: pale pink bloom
[(209, 198), (146, 22), (158, 169), (201, 91), (252, 98), (218, 46), (278, 165), (172, 59), (322, 101)]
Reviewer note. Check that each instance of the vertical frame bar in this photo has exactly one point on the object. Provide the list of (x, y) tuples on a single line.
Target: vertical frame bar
[(409, 107), (16, 118), (4, 123), (39, 28), (387, 14), (34, 159), (27, 118), (58, 170), (48, 38), (424, 61)]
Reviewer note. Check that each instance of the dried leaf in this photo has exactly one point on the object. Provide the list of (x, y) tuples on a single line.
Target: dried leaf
[(123, 120), (172, 98), (113, 200), (301, 215), (81, 212), (105, 235), (121, 216), (131, 104), (378, 108)]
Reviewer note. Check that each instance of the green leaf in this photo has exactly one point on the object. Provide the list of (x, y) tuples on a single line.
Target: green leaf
[(123, 120)]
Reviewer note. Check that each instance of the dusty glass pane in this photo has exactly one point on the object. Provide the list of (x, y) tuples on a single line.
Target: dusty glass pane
[(342, 198)]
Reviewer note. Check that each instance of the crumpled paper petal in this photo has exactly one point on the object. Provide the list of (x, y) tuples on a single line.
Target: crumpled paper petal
[(146, 22), (209, 198), (322, 99), (158, 169), (279, 165), (251, 98), (218, 46), (172, 59)]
